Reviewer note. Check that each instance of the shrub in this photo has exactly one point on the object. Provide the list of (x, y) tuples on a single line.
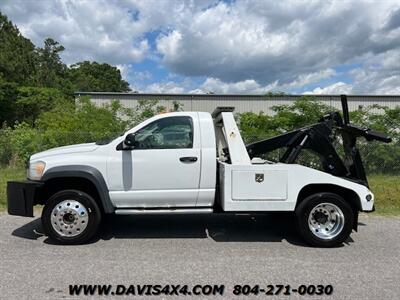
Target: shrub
[(70, 123)]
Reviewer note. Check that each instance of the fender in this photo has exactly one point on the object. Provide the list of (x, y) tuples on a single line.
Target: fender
[(87, 172), (349, 195)]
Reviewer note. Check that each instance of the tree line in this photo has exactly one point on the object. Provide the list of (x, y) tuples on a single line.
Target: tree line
[(35, 79)]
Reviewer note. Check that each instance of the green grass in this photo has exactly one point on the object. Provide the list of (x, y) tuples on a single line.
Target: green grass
[(385, 187)]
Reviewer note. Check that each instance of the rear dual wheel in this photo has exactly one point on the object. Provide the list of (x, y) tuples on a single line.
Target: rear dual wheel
[(71, 217), (325, 220)]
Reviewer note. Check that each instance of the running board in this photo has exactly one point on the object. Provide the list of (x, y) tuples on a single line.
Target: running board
[(144, 211)]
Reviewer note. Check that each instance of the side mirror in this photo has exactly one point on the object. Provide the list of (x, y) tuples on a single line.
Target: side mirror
[(129, 141)]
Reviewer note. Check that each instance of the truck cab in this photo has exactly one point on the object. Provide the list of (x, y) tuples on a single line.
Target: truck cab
[(171, 163), (187, 162)]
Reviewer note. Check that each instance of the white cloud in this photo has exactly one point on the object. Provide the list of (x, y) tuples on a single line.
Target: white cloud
[(382, 82), (251, 86), (142, 76), (197, 91), (125, 70), (90, 30), (170, 87), (304, 79), (216, 86), (278, 41), (333, 89), (239, 47)]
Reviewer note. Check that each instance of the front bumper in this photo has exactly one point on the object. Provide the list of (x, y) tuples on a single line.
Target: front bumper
[(21, 197)]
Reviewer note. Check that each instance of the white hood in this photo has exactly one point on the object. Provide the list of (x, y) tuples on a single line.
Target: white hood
[(79, 148)]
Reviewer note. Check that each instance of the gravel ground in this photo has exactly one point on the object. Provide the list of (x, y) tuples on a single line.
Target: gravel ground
[(199, 249)]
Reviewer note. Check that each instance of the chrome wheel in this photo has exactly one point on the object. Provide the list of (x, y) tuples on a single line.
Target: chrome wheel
[(69, 218), (326, 221)]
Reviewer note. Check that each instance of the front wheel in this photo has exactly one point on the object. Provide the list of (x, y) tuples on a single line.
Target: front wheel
[(71, 217), (325, 219)]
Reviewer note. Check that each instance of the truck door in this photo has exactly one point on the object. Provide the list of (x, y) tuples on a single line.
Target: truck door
[(163, 168)]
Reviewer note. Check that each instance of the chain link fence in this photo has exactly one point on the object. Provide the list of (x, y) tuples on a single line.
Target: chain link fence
[(18, 144), (378, 158)]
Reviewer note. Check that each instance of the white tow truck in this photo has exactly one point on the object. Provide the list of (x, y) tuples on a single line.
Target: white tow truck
[(195, 162)]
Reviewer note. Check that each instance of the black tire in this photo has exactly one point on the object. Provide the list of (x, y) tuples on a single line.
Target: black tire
[(93, 218), (306, 207)]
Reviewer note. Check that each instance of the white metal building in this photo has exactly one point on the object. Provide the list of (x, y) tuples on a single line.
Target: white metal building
[(242, 103)]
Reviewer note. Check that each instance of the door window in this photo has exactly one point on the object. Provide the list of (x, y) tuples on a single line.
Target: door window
[(166, 133)]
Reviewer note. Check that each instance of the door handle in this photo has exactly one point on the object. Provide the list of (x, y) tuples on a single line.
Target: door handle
[(188, 159)]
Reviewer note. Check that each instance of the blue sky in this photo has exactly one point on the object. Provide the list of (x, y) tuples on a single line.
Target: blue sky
[(177, 46)]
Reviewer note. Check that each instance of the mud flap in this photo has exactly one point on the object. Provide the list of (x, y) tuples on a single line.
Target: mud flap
[(355, 224), (21, 197)]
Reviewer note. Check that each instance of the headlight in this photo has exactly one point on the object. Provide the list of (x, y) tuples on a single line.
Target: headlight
[(36, 170)]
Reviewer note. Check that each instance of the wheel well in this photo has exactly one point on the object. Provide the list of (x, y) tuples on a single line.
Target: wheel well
[(348, 195), (55, 185)]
